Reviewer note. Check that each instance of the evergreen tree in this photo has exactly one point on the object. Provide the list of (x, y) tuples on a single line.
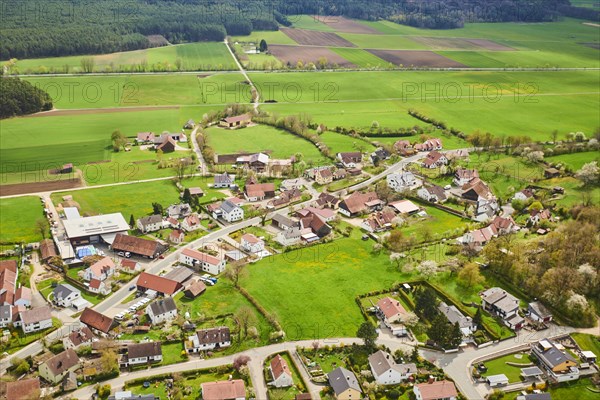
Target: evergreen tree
[(368, 334), (263, 46), (157, 208), (477, 319), (131, 221), (425, 304), (187, 196)]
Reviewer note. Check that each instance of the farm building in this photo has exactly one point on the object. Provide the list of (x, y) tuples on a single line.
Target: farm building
[(96, 229), (142, 247), (159, 284), (235, 122)]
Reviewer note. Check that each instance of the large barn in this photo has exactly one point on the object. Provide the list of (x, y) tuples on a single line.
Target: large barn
[(96, 229)]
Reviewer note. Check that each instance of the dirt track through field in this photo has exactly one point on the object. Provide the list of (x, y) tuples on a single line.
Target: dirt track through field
[(306, 54), (36, 187), (59, 113), (316, 38), (345, 25), (416, 58)]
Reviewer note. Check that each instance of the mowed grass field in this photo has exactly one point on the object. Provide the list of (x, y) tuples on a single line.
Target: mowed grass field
[(260, 138), (193, 56), (359, 57), (338, 143), (503, 103), (84, 91), (17, 219), (576, 160)]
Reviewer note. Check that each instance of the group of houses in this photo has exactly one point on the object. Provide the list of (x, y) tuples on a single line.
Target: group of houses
[(166, 142), (306, 225), (179, 218)]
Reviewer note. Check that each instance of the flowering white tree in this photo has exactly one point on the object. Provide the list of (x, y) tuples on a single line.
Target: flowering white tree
[(589, 173), (428, 268)]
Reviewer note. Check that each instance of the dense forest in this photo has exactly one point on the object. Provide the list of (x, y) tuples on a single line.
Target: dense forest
[(19, 97), (39, 28)]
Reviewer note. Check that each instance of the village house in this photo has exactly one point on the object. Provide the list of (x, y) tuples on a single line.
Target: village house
[(171, 222), (224, 181), (64, 294), (436, 390), (503, 304), (280, 372), (555, 360), (194, 289), (454, 316), (387, 372), (100, 270), (379, 154), (291, 184), (524, 195), (34, 320), (479, 237), (485, 210), (229, 211), (8, 281), (145, 138), (326, 200), (403, 181), (434, 159), (339, 174), (538, 312), (233, 389), (504, 225), (22, 297), (259, 191), (151, 223), (289, 236), (255, 162), (358, 202), (135, 245), (378, 222), (235, 122), (463, 176), (208, 339), (190, 124), (176, 236), (162, 310), (99, 287), (80, 337), (404, 148), (429, 145), (536, 216), (282, 222), (142, 353), (202, 261), (175, 136), (191, 223), (99, 323), (323, 176), (6, 316), (392, 313), (251, 243), (161, 285), (285, 197), (130, 266), (458, 154), (432, 193), (54, 369), (167, 146), (344, 384), (179, 211), (24, 389), (476, 190), (350, 159)]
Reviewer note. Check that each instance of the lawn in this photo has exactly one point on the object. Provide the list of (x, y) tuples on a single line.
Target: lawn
[(261, 138), (576, 390), (193, 57), (575, 160), (172, 353), (468, 100), (575, 192), (436, 225), (82, 91), (587, 342), (18, 216), (499, 366), (341, 143), (19, 340)]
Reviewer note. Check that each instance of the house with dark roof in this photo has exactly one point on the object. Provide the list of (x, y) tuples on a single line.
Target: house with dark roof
[(168, 146), (162, 310), (503, 304), (142, 353), (229, 211), (282, 222), (64, 294), (54, 369), (256, 162), (97, 322), (432, 193), (160, 284), (557, 362), (285, 197), (34, 320), (202, 261), (350, 159), (80, 337), (538, 312), (454, 316), (151, 223), (380, 154), (344, 384), (326, 200), (224, 181), (180, 210), (281, 374), (24, 389), (135, 245), (387, 372), (208, 339), (224, 390), (436, 390)]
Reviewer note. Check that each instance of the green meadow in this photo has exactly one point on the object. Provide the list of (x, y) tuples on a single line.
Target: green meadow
[(360, 58), (17, 219), (271, 37), (260, 138), (575, 160), (192, 56)]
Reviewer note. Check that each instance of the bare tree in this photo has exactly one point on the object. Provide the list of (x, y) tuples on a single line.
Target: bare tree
[(42, 227), (234, 272), (244, 316)]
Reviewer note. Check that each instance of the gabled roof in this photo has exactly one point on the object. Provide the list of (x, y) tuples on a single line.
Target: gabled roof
[(36, 315), (81, 335), (130, 264), (25, 389), (341, 380), (437, 390), (102, 266), (433, 157), (539, 309), (158, 283), (381, 362), (148, 349), (237, 118), (151, 219), (95, 320), (163, 306), (390, 307), (503, 223), (214, 335), (224, 178), (201, 257), (550, 355), (436, 190), (143, 247), (62, 362), (279, 367), (468, 174), (284, 220), (223, 390), (48, 249), (195, 287), (454, 316), (356, 202), (228, 206), (250, 238), (95, 283), (479, 187), (63, 290), (10, 265), (405, 206)]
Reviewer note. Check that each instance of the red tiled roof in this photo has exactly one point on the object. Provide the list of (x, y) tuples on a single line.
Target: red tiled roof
[(203, 257), (95, 320), (279, 367), (223, 390), (158, 283), (95, 283), (437, 390), (25, 389), (390, 307), (143, 247), (250, 238)]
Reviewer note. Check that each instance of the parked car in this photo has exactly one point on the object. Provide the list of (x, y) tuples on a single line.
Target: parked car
[(132, 287)]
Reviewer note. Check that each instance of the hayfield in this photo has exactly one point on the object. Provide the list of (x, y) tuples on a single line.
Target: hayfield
[(260, 138), (17, 219), (193, 56), (503, 103), (340, 143), (575, 160), (81, 91), (359, 57), (346, 25)]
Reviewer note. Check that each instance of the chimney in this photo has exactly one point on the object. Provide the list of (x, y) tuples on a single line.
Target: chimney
[(431, 379)]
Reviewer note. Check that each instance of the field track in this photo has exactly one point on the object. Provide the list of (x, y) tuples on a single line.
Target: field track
[(316, 38), (82, 111)]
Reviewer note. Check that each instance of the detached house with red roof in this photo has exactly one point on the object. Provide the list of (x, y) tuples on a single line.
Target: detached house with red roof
[(161, 285), (202, 261), (224, 390), (438, 390), (251, 243), (191, 223), (100, 270), (280, 372), (435, 159), (391, 312), (98, 323), (357, 203)]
